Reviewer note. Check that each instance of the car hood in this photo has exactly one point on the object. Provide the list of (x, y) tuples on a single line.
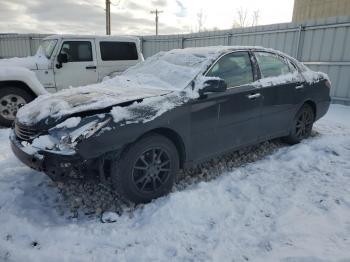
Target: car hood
[(29, 62), (59, 106), (35, 62)]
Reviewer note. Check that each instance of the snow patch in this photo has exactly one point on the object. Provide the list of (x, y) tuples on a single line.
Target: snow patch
[(278, 80), (109, 217), (29, 62), (70, 123), (314, 77), (44, 142)]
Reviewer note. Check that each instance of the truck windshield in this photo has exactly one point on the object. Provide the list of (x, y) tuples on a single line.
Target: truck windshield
[(47, 47)]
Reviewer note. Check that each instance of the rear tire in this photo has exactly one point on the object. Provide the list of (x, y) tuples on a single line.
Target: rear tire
[(146, 170), (11, 99), (302, 125)]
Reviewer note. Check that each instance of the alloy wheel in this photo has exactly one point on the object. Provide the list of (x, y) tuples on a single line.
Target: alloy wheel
[(304, 124), (151, 170)]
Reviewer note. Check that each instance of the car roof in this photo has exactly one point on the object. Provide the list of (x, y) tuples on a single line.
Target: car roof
[(225, 49), (220, 50), (99, 37)]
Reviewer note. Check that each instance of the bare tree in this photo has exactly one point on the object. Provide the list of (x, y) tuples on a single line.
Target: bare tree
[(201, 20), (242, 20), (256, 16), (242, 17)]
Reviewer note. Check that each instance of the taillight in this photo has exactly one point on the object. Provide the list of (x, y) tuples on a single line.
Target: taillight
[(328, 84)]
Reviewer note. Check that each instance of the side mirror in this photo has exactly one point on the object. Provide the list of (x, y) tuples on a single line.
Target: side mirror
[(213, 86), (61, 58)]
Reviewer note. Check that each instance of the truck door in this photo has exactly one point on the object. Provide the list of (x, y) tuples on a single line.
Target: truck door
[(80, 68)]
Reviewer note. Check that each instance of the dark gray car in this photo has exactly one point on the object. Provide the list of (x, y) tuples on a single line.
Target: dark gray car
[(170, 112)]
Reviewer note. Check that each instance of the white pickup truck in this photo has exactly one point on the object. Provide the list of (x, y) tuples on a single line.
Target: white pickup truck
[(63, 61)]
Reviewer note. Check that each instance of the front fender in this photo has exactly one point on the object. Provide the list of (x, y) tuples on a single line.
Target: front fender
[(21, 74)]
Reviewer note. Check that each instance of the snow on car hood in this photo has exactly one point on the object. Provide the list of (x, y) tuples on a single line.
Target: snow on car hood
[(27, 62), (36, 62), (78, 100)]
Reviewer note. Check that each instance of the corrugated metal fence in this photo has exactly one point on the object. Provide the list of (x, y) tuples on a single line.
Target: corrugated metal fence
[(323, 45), (19, 45)]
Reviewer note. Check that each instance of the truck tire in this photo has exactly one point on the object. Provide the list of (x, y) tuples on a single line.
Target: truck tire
[(147, 170), (11, 99)]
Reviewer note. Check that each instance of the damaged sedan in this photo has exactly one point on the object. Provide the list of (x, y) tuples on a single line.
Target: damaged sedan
[(172, 111)]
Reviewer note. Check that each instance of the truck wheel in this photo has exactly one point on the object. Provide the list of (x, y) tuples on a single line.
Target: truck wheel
[(11, 99), (147, 170)]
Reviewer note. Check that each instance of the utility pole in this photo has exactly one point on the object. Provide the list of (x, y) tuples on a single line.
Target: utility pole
[(156, 12), (108, 17)]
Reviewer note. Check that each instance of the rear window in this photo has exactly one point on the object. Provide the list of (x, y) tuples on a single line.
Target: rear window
[(111, 51), (271, 65)]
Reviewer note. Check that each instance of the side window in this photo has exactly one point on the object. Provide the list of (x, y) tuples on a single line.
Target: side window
[(235, 69), (77, 51), (111, 51), (271, 65)]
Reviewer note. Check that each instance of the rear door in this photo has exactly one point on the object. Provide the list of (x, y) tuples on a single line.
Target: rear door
[(239, 107), (81, 67), (282, 87)]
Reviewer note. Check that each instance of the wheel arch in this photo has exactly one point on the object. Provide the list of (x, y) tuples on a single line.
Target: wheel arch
[(22, 77), (19, 84), (313, 106)]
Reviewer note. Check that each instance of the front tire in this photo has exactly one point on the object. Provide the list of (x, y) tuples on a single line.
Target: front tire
[(11, 99), (147, 170), (302, 125)]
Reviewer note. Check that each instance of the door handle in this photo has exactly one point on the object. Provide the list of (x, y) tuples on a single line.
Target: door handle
[(90, 67), (254, 96), (299, 87)]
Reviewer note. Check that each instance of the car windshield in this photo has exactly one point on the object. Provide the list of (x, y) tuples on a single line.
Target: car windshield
[(47, 47), (171, 70)]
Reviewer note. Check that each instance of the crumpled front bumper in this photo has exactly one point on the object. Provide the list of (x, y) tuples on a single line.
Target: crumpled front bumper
[(42, 161), (34, 161)]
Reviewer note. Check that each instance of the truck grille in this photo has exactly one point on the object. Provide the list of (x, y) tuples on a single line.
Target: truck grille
[(25, 133)]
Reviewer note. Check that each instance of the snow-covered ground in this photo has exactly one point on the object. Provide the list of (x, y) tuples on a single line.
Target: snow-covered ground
[(292, 205)]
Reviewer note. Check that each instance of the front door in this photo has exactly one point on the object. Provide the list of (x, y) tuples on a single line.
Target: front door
[(80, 69), (204, 121), (239, 106)]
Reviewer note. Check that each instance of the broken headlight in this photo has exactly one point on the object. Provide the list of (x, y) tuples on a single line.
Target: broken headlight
[(69, 138)]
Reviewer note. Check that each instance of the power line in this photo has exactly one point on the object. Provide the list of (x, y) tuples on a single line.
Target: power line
[(156, 12)]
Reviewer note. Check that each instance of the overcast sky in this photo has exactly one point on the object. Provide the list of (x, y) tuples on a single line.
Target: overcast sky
[(133, 16)]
